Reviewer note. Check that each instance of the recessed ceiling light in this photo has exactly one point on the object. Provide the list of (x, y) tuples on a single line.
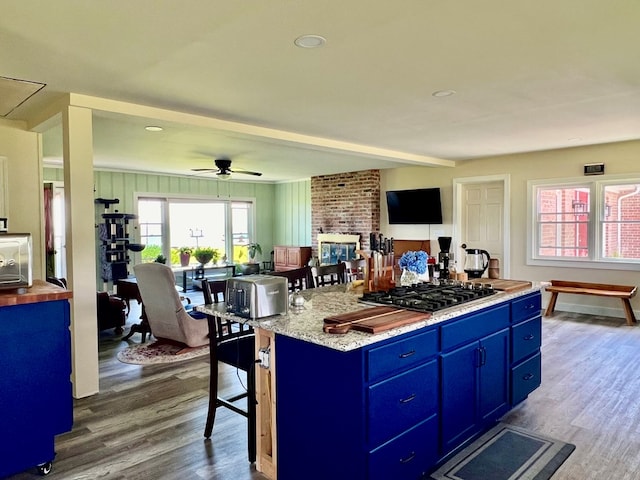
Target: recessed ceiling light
[(443, 93), (310, 41), (153, 128)]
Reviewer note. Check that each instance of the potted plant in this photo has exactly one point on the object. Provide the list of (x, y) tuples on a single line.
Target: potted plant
[(253, 249), (205, 254), (185, 256), (161, 259)]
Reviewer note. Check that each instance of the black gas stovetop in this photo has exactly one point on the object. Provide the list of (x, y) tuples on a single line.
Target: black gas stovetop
[(429, 297)]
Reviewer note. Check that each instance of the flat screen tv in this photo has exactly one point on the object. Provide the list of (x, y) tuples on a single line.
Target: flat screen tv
[(414, 207)]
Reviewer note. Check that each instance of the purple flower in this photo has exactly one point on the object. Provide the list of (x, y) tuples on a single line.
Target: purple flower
[(414, 261)]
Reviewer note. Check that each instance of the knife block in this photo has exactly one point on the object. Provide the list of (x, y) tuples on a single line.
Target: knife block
[(382, 279)]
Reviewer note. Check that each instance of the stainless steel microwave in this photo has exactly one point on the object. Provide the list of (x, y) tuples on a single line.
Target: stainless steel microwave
[(16, 257)]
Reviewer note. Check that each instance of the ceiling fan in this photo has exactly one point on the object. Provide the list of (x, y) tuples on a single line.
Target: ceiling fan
[(223, 170)]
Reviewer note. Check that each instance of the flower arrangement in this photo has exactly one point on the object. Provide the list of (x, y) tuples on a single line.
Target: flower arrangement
[(414, 261)]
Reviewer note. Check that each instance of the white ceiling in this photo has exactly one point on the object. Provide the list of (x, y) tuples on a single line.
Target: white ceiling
[(527, 75)]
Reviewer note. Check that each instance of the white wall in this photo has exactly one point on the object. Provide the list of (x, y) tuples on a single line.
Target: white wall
[(619, 159), (25, 195)]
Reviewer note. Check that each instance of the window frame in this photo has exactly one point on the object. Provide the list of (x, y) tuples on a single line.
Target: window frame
[(176, 197), (595, 260)]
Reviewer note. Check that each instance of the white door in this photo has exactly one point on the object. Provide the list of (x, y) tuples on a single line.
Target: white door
[(482, 219)]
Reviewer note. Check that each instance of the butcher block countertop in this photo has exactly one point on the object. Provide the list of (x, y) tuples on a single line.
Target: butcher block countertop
[(41, 291), (307, 323)]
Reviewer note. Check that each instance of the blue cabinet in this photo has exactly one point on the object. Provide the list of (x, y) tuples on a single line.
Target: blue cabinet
[(475, 388), (370, 413), (35, 383), (399, 407), (526, 338)]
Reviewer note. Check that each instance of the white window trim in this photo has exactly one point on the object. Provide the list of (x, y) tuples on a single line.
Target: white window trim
[(205, 198), (596, 261)]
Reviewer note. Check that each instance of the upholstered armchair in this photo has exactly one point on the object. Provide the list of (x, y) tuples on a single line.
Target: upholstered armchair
[(111, 312), (167, 317)]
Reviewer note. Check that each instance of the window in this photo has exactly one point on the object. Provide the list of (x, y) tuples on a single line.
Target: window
[(621, 222), (150, 216), (563, 221), (167, 224), (585, 222)]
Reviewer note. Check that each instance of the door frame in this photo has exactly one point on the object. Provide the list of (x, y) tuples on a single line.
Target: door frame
[(458, 184)]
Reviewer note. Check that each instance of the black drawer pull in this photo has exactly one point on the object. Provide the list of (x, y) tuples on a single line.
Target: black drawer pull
[(411, 456), (408, 399), (528, 337), (407, 354), (528, 376)]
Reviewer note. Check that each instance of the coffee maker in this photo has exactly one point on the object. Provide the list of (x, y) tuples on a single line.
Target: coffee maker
[(444, 256)]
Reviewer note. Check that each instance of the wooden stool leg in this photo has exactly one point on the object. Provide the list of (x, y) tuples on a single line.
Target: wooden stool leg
[(552, 304), (628, 311)]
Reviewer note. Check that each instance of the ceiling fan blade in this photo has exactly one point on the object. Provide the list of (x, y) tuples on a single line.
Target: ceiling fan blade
[(204, 169), (246, 172)]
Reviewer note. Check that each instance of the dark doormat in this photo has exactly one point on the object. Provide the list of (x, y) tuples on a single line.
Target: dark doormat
[(507, 452)]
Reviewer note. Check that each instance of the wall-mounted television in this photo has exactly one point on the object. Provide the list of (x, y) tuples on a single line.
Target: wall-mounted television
[(408, 207)]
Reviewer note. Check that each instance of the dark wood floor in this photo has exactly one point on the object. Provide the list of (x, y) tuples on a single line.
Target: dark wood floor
[(148, 422)]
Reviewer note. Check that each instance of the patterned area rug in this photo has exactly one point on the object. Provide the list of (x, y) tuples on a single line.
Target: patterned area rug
[(159, 352), (507, 452)]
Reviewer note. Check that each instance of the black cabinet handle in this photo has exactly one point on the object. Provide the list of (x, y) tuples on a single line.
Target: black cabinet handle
[(411, 456), (528, 376), (528, 337), (407, 354), (408, 399)]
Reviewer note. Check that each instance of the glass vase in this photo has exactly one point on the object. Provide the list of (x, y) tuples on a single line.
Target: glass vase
[(409, 278)]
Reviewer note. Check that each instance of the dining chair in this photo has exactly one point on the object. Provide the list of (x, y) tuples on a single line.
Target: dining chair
[(355, 269), (267, 265), (298, 278), (232, 343), (329, 274)]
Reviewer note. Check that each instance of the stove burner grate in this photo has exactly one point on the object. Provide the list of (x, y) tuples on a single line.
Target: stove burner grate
[(428, 297)]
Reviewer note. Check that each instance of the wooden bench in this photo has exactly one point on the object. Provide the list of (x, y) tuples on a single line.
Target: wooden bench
[(623, 292)]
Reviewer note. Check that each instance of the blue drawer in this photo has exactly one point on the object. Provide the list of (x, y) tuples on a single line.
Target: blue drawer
[(474, 327), (526, 338), (526, 307), (402, 401), (525, 378), (407, 455), (400, 355)]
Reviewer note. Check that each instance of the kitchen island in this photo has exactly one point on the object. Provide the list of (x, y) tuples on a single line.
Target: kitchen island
[(391, 405), (35, 375)]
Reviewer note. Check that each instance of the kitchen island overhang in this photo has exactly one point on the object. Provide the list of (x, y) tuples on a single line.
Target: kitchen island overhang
[(344, 390)]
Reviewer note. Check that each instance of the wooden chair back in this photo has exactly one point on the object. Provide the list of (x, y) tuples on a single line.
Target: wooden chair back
[(329, 274), (355, 269), (298, 278), (213, 291)]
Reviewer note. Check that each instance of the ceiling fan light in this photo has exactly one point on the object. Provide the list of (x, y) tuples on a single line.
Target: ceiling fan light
[(224, 175)]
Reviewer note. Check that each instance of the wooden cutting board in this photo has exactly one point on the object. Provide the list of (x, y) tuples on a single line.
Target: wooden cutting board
[(373, 320), (503, 285)]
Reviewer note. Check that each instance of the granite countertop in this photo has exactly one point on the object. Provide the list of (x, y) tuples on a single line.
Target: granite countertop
[(306, 323), (41, 291)]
